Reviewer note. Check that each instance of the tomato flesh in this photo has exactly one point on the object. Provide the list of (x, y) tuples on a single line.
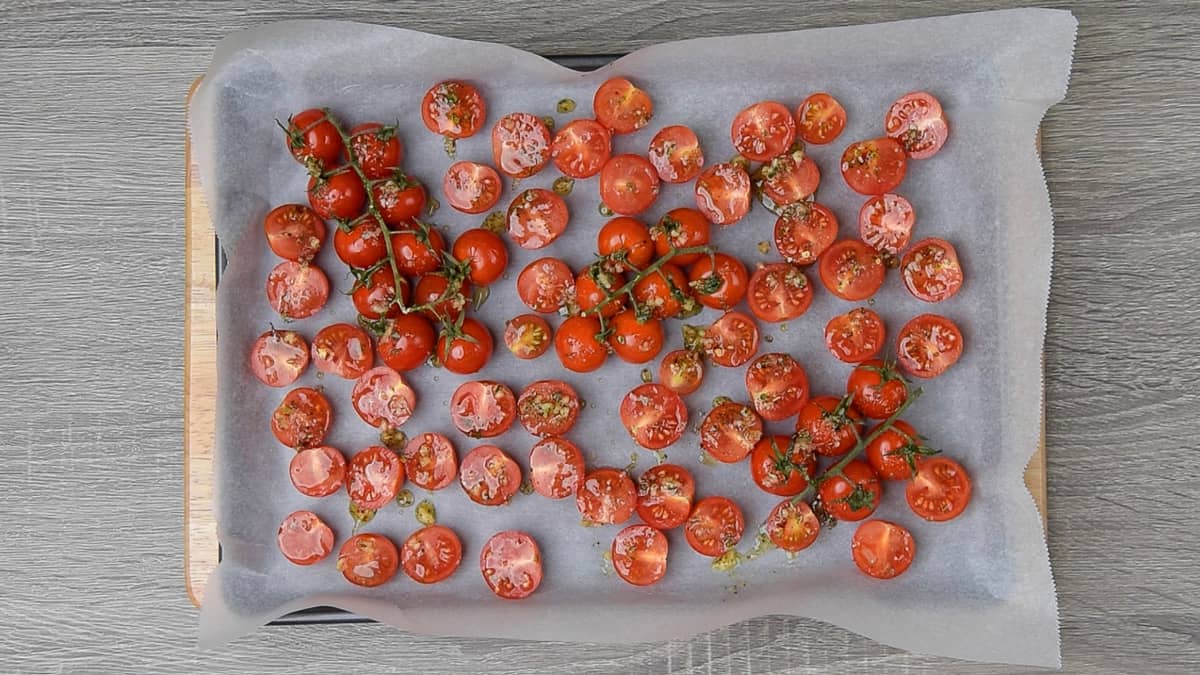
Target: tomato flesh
[(676, 155), (318, 472), (382, 398), (536, 217), (431, 554), (294, 232), (304, 539), (855, 336), (778, 386), (928, 345), (520, 145), (820, 119), (881, 549), (556, 467), (302, 418), (716, 525), (606, 497), (581, 148), (731, 340), (511, 564), (792, 526), (278, 357), (874, 167), (297, 291), (639, 555), (941, 489), (665, 494), (931, 271), (430, 461), (779, 292), (802, 237), (885, 222), (548, 408), (851, 270), (654, 416), (368, 559), (373, 477), (483, 409), (730, 431), (489, 476), (342, 349)]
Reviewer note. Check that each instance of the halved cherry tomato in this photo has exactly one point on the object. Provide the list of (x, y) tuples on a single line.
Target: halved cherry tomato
[(278, 357), (675, 153), (874, 167), (658, 292), (852, 270), (639, 555), (830, 424), (545, 285), (294, 232), (715, 526), (536, 217), (382, 397), (940, 490), (361, 243), (430, 461), (471, 187), (628, 184), (376, 296), (621, 106), (400, 200), (318, 472), (302, 418), (596, 284), (928, 345), (520, 145), (654, 416), (297, 291), (852, 495), (453, 109), (373, 477), (918, 122), (576, 344), (627, 240), (483, 409), (431, 554), (548, 408), (304, 538), (723, 193), (407, 342), (342, 349), (633, 340), (581, 147), (555, 467), (802, 237), (930, 270), (337, 195), (418, 251), (855, 336), (681, 371), (893, 453), (681, 228), (731, 340), (368, 559), (763, 131), (788, 179), (489, 476), (781, 469), (779, 292), (886, 222), (778, 386), (792, 526), (878, 389), (527, 336), (511, 564), (444, 298), (312, 137), (484, 252), (665, 494), (820, 119), (718, 281), (468, 351), (606, 497), (881, 549), (377, 149), (730, 431)]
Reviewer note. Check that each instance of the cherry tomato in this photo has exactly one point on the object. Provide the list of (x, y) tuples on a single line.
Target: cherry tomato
[(443, 298), (662, 291), (681, 371), (374, 477), (483, 409), (318, 472), (855, 336), (878, 389), (676, 155), (400, 200), (594, 285), (718, 281), (418, 251), (484, 252), (831, 425), (723, 193), (820, 119), (489, 476), (918, 122), (382, 398), (278, 357), (520, 145), (780, 469), (731, 340), (881, 549), (629, 184), (763, 131), (654, 416), (576, 344), (894, 452), (407, 342), (628, 239), (471, 188), (545, 285), (337, 195), (885, 222), (792, 526), (468, 351), (788, 179), (874, 167), (453, 109), (548, 408), (715, 526), (730, 431), (511, 564), (852, 270), (342, 349), (940, 490), (368, 559), (681, 228), (527, 336), (376, 296), (621, 106), (430, 461), (639, 555), (778, 386), (304, 538), (431, 554), (297, 291), (537, 217), (606, 497), (294, 232), (779, 292), (581, 147), (633, 340), (930, 270), (302, 418), (852, 495), (928, 345), (360, 244), (555, 467), (377, 149), (313, 138), (665, 494), (802, 237)]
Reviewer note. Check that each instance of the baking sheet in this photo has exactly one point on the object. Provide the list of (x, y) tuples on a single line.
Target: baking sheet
[(980, 587)]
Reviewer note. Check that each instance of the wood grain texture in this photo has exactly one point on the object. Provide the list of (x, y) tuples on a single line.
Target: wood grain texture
[(91, 344)]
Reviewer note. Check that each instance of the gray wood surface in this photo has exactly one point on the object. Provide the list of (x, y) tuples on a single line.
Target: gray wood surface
[(91, 283)]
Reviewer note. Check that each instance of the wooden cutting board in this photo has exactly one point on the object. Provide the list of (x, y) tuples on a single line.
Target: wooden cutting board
[(200, 546)]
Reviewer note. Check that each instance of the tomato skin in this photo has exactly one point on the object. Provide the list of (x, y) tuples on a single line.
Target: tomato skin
[(511, 564), (654, 416), (639, 555), (483, 408), (723, 193), (941, 489), (676, 155), (731, 340), (885, 222), (520, 145), (665, 495), (430, 461), (376, 297), (856, 336), (779, 292), (294, 232), (400, 201), (555, 467), (377, 148), (577, 347), (302, 418), (888, 453), (789, 179), (629, 184), (313, 138), (418, 252), (489, 476), (548, 408), (581, 148), (621, 106), (878, 389), (681, 228), (368, 559), (382, 398), (832, 429), (407, 343), (792, 526), (628, 239), (654, 291), (536, 217), (778, 386), (635, 341), (484, 251), (927, 345), (527, 336), (297, 291), (820, 119), (731, 281), (431, 554), (801, 238), (278, 357), (361, 244), (606, 497), (730, 431), (337, 196), (545, 285), (373, 477), (881, 549), (716, 525), (465, 356), (681, 371), (836, 493), (593, 286), (779, 469), (874, 167), (471, 187), (918, 122), (304, 539), (931, 271), (318, 471), (453, 109), (851, 270), (442, 299), (763, 131), (343, 349)]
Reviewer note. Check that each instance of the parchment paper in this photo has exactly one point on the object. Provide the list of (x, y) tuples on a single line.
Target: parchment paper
[(981, 586)]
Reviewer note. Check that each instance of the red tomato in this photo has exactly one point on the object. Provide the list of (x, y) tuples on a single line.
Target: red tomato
[(629, 184), (820, 119), (304, 538), (852, 495), (792, 526), (441, 298), (664, 292), (855, 336), (555, 467), (511, 564), (527, 336), (778, 386), (595, 285), (830, 424), (788, 179), (639, 555), (802, 237), (723, 193), (484, 253), (715, 526), (881, 549), (718, 281), (360, 244), (430, 461), (548, 408), (545, 285), (852, 270), (633, 340), (431, 554), (621, 106), (337, 195), (467, 352), (294, 232), (654, 416), (407, 342), (918, 122), (731, 340), (489, 476), (665, 494), (374, 477), (453, 109), (577, 346), (928, 345), (930, 270), (886, 222), (376, 296), (676, 155), (302, 418), (627, 241), (779, 292), (483, 409), (382, 398), (606, 497), (520, 145), (278, 357), (730, 431), (874, 167), (471, 188), (313, 139), (779, 469), (318, 472), (377, 149), (893, 453), (418, 251), (681, 371), (400, 200), (368, 559), (581, 147), (763, 131), (342, 349), (878, 389), (681, 228), (297, 291), (537, 217), (940, 490)]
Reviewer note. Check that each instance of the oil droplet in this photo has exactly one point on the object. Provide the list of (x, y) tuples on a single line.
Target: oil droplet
[(647, 376), (762, 544), (526, 487), (404, 498), (783, 328), (768, 338), (727, 561), (707, 459), (606, 563), (426, 513), (764, 247), (566, 105), (451, 147), (360, 515), (660, 456), (437, 378), (563, 185), (604, 210)]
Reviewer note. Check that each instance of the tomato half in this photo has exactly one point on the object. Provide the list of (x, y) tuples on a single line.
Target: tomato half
[(318, 472), (407, 342), (304, 538), (548, 408), (375, 296), (511, 564), (781, 469), (788, 179), (820, 119), (313, 139), (802, 237), (297, 291), (577, 346), (874, 167), (779, 292), (596, 287), (930, 270), (621, 106), (881, 549), (471, 187), (453, 109), (377, 148), (792, 526), (606, 497), (830, 424), (527, 336), (483, 409), (626, 241), (927, 345), (633, 340), (730, 431), (681, 371), (654, 416), (294, 232), (919, 123), (639, 555), (894, 452), (855, 336), (278, 357), (663, 292), (878, 389), (489, 476), (681, 228), (940, 490), (545, 285), (342, 349), (399, 199), (778, 386), (373, 477), (581, 147), (382, 397), (418, 251), (763, 131), (731, 340), (520, 145), (716, 525), (665, 494), (361, 243), (718, 281), (302, 418), (854, 495), (723, 193), (368, 559), (536, 217), (338, 195), (629, 184), (851, 270), (431, 554), (555, 467), (675, 153), (484, 253), (885, 222), (467, 352), (430, 461)]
